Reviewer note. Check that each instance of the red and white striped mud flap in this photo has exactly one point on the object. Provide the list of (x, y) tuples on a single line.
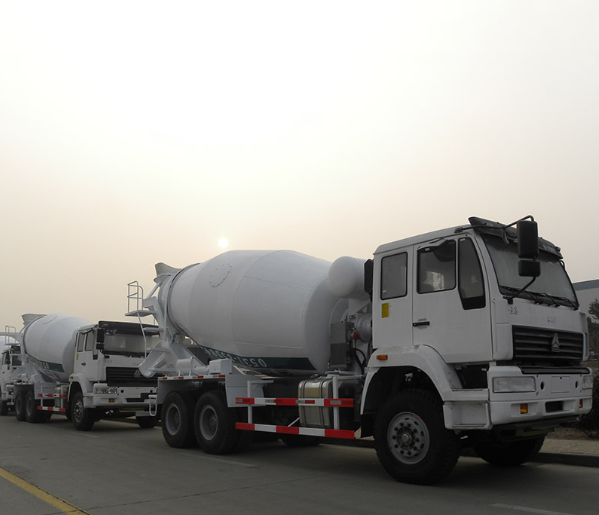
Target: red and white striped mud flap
[(307, 431), (47, 408)]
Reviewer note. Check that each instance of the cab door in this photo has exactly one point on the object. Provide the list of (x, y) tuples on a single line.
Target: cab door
[(86, 355), (392, 299), (451, 304)]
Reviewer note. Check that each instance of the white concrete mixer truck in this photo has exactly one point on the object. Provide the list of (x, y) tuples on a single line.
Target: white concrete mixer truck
[(10, 367), (469, 336), (82, 370)]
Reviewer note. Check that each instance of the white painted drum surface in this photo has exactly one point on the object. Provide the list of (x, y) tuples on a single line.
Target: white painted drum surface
[(50, 341), (267, 310)]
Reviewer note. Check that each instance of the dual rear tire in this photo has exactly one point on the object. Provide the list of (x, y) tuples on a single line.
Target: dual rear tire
[(210, 423)]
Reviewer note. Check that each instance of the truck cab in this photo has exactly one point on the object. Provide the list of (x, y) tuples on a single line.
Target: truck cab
[(10, 368), (501, 350), (105, 378)]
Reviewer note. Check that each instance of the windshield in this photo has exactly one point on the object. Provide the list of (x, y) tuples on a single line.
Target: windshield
[(128, 344), (553, 285)]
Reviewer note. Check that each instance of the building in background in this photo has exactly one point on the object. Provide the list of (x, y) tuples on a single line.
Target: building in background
[(587, 292)]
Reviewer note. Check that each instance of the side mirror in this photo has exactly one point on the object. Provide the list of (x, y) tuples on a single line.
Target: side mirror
[(100, 335), (529, 268), (528, 240)]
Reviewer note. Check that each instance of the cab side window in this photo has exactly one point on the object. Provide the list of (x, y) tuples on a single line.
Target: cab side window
[(80, 340), (89, 341), (471, 286), (437, 267), (394, 276)]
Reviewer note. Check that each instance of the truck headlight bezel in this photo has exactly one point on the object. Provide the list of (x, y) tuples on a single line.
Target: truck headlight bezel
[(514, 385), (587, 382)]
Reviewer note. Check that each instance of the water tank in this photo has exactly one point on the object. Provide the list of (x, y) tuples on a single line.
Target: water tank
[(266, 310), (50, 344)]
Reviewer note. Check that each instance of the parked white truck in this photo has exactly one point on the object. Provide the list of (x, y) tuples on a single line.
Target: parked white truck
[(82, 370), (468, 336), (10, 368)]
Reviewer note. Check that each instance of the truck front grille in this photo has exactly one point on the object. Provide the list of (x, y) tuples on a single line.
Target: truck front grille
[(534, 347), (127, 376)]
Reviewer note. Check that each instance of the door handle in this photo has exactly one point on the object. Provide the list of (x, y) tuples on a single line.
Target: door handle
[(422, 323), (83, 363)]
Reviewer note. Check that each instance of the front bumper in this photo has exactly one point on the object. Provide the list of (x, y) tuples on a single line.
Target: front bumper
[(551, 400)]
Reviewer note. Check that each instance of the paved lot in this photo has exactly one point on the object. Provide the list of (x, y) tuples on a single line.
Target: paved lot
[(119, 469)]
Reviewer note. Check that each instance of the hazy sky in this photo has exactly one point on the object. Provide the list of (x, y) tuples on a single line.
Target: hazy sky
[(133, 132)]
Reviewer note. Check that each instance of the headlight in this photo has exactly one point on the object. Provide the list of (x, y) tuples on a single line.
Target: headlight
[(513, 384), (587, 382), (107, 390)]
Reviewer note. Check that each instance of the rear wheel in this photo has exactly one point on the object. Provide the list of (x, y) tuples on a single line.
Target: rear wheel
[(31, 412), (411, 441), (511, 454), (214, 424), (83, 418), (177, 420), (20, 406)]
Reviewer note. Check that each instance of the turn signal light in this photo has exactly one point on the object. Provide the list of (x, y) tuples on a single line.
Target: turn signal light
[(382, 357), (523, 409)]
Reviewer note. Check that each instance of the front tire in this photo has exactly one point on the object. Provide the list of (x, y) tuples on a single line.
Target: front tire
[(83, 418), (177, 421), (511, 454), (20, 406), (411, 440), (4, 408)]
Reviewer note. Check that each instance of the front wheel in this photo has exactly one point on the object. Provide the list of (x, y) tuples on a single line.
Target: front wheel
[(510, 454), (4, 408), (83, 418), (411, 440)]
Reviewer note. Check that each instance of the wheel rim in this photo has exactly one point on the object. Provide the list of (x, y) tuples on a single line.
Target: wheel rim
[(78, 410), (208, 422), (408, 438), (173, 419)]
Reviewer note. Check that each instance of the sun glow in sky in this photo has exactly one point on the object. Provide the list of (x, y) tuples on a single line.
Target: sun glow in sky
[(138, 132)]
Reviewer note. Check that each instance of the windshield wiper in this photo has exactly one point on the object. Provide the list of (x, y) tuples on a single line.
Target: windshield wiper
[(515, 292), (566, 301), (550, 300)]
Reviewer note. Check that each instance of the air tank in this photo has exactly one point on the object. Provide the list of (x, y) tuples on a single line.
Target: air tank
[(265, 310), (49, 342)]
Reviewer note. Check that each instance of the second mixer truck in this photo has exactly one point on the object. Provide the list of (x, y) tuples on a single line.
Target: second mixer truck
[(82, 370), (467, 336)]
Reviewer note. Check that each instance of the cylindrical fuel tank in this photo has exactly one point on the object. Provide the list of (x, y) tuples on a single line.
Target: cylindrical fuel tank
[(49, 342), (266, 310)]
